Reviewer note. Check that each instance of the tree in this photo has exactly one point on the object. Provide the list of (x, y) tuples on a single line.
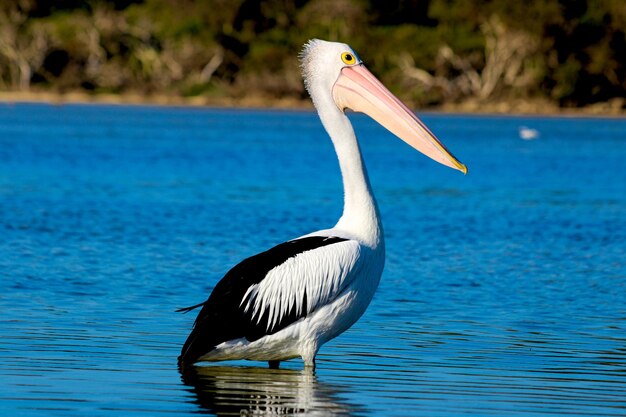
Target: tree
[(23, 46)]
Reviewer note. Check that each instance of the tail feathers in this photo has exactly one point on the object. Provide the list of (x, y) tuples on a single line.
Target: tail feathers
[(194, 348), (186, 310), (208, 331)]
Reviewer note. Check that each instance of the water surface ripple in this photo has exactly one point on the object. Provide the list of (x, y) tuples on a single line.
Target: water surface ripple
[(504, 292)]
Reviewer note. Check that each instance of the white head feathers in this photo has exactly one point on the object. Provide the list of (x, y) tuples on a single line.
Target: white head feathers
[(321, 65)]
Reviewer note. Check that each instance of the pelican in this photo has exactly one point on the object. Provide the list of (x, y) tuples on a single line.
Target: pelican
[(288, 301)]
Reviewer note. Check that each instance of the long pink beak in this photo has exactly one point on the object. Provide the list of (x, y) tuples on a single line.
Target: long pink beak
[(357, 89)]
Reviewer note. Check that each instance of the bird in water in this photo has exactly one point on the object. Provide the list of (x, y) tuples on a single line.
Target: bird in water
[(528, 133), (288, 301)]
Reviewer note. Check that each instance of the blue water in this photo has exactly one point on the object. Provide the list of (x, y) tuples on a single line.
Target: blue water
[(504, 291)]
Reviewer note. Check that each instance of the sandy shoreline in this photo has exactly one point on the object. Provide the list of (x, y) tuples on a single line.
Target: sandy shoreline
[(149, 99), (613, 108)]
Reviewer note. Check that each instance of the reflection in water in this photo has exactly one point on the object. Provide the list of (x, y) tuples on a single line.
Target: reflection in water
[(224, 390), (111, 216)]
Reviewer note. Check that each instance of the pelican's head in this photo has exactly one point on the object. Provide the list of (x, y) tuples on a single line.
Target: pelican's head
[(334, 71)]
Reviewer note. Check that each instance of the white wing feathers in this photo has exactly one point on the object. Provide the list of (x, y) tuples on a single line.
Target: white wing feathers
[(317, 275)]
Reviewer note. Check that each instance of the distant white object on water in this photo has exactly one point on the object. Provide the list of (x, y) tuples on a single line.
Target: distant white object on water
[(528, 133)]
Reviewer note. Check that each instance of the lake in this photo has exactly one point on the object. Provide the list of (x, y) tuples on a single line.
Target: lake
[(504, 291)]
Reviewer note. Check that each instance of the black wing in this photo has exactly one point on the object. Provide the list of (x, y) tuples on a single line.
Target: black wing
[(222, 318)]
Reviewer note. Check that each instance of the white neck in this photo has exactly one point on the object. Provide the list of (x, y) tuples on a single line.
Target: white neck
[(360, 212)]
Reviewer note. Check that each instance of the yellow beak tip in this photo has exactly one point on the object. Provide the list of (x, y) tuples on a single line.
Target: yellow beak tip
[(463, 169)]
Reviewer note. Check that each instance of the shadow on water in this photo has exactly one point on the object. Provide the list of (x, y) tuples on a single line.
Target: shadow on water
[(224, 390)]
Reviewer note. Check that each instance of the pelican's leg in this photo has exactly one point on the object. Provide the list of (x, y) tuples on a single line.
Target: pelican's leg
[(274, 364), (308, 356), (309, 364)]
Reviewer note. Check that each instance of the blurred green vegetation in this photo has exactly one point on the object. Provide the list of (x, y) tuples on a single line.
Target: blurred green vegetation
[(430, 52)]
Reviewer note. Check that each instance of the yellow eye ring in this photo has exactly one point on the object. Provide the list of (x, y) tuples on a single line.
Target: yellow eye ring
[(348, 58)]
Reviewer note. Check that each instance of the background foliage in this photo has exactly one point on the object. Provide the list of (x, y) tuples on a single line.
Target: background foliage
[(570, 52)]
